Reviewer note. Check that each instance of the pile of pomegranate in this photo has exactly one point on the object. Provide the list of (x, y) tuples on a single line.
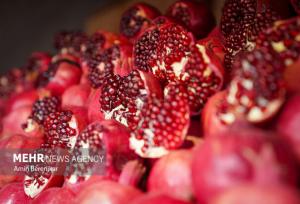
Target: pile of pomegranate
[(186, 111)]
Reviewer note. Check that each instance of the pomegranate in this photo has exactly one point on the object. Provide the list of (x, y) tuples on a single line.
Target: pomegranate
[(210, 120), (70, 42), (241, 23), (187, 63), (107, 192), (54, 196), (234, 157), (13, 193), (251, 193), (113, 60), (162, 125), (283, 39), (62, 73), (257, 90), (123, 98), (215, 45), (106, 137), (132, 173), (193, 15), (136, 19), (288, 123), (61, 131), (161, 198), (76, 95), (178, 164)]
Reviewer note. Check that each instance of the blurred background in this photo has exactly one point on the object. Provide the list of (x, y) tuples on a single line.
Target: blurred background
[(28, 26)]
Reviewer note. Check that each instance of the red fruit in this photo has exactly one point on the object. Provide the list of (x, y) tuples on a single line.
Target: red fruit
[(13, 193), (40, 110), (93, 106), (113, 60), (296, 5), (123, 98), (210, 120), (132, 173), (257, 90), (15, 144), (193, 15), (282, 38), (61, 74), (107, 192), (155, 51), (106, 137), (290, 77), (157, 198), (171, 174), (61, 131), (241, 23), (162, 125), (250, 193), (13, 122), (54, 196), (76, 95), (234, 157), (136, 19), (70, 42), (26, 98), (288, 123)]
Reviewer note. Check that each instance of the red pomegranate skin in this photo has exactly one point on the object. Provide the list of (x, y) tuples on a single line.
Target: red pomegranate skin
[(13, 193)]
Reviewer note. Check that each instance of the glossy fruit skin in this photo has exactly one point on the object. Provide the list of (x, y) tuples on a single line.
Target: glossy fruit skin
[(288, 123), (195, 16), (251, 193), (94, 107), (107, 192), (13, 193), (234, 157), (159, 197), (76, 95), (172, 174), (54, 195)]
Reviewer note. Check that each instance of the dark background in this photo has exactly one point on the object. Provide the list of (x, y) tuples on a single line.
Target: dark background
[(29, 25)]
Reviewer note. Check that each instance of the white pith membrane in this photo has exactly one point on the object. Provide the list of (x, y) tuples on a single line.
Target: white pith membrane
[(34, 188)]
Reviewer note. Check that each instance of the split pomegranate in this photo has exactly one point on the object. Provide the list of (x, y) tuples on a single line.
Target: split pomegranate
[(107, 138), (288, 123), (123, 98), (136, 19), (190, 64), (282, 38), (193, 15), (241, 23), (61, 131), (251, 193), (234, 157), (93, 106), (113, 60), (70, 42), (162, 125), (171, 174), (257, 90), (107, 192)]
